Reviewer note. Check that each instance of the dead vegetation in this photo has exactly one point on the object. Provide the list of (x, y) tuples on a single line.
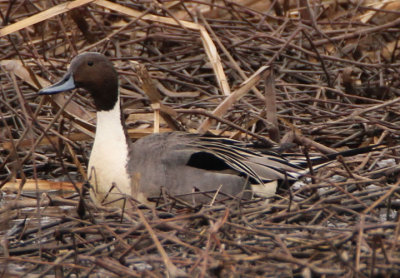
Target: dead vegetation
[(214, 66)]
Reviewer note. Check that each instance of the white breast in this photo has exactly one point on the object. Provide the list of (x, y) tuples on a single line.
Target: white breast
[(107, 163)]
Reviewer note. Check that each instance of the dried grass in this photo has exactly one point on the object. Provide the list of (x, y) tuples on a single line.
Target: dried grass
[(335, 67)]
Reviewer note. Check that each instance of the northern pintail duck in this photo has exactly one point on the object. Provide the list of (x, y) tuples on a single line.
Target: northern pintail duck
[(179, 162)]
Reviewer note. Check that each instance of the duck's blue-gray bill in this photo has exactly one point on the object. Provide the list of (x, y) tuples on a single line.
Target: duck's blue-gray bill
[(65, 84)]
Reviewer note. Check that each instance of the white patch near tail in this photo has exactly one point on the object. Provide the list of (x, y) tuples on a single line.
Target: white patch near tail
[(265, 190)]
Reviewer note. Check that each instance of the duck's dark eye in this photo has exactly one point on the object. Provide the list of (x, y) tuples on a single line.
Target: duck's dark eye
[(90, 63)]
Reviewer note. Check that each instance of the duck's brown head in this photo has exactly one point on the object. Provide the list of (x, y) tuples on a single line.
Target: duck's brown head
[(93, 72)]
